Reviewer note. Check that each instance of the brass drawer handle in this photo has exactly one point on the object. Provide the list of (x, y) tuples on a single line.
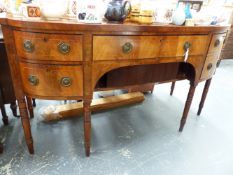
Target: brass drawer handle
[(209, 66), (187, 45), (127, 48), (33, 80), (66, 81), (28, 46), (63, 48), (217, 42)]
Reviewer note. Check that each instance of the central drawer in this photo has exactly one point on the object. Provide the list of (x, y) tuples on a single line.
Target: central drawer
[(144, 47), (49, 47), (52, 80), (125, 47)]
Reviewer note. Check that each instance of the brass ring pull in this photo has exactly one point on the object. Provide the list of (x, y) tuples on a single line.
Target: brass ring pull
[(63, 48), (66, 81), (187, 45), (33, 80), (209, 66), (28, 46), (127, 48), (217, 42)]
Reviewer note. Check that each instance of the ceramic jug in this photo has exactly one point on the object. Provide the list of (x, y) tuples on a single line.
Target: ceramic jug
[(117, 10), (178, 17)]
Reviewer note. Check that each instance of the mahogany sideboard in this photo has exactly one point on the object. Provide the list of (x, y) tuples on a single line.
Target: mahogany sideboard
[(66, 60)]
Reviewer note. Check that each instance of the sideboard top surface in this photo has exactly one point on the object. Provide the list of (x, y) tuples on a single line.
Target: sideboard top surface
[(68, 25)]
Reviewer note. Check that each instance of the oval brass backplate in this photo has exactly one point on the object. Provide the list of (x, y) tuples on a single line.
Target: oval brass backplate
[(66, 81), (33, 80), (210, 65), (28, 46), (127, 48), (63, 48), (187, 45), (217, 42)]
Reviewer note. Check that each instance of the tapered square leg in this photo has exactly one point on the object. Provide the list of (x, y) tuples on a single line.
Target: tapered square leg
[(187, 106), (3, 110), (13, 107), (87, 125), (33, 102), (17, 84), (26, 124), (1, 148), (30, 107), (4, 116), (204, 94), (172, 87)]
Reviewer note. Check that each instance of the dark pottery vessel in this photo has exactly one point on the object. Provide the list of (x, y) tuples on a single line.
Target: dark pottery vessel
[(117, 10)]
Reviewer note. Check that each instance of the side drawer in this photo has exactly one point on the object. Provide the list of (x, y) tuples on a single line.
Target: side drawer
[(209, 66), (216, 43), (175, 45), (50, 47), (125, 47), (52, 80)]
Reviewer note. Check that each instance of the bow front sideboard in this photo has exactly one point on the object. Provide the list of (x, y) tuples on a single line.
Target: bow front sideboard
[(61, 60)]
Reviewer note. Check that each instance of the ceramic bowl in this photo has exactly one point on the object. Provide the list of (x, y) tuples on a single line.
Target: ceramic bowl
[(53, 10)]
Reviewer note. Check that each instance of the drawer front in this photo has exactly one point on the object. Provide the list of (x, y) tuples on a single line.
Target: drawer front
[(209, 67), (125, 47), (216, 43), (175, 45), (52, 80), (143, 47), (49, 47)]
